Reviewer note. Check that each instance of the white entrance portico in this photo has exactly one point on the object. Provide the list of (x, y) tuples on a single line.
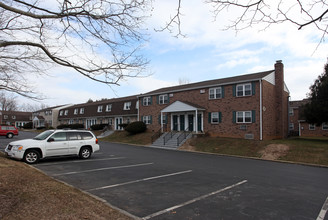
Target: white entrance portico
[(184, 116)]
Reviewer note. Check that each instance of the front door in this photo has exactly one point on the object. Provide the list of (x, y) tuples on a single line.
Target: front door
[(182, 122), (191, 122), (175, 122), (118, 122)]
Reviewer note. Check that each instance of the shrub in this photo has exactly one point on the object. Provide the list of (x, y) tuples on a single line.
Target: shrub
[(98, 127), (28, 125), (136, 127)]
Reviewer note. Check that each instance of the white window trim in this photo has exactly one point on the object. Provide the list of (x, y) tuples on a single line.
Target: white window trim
[(146, 101), (244, 117), (127, 106), (61, 113), (108, 107), (324, 124), (146, 119), (100, 108), (244, 90), (66, 112), (215, 93), (212, 117), (312, 127), (76, 111), (81, 111), (163, 99)]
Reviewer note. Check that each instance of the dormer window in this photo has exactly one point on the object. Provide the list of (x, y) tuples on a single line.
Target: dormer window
[(76, 111), (127, 106), (81, 111), (100, 108), (108, 107)]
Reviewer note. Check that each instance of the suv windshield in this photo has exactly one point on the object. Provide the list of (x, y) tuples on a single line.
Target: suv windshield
[(43, 135)]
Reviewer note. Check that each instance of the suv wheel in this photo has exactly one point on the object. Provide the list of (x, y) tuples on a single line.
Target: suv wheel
[(32, 156), (10, 135), (85, 153)]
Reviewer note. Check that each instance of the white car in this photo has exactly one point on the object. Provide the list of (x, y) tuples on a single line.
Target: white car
[(54, 143)]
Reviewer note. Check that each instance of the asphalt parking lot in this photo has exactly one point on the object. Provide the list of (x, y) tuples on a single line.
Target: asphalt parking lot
[(150, 183)]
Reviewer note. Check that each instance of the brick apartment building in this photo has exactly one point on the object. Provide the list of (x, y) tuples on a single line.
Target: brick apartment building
[(253, 106), (112, 112), (16, 118), (299, 127)]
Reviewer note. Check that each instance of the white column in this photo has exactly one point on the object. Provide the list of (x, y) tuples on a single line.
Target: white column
[(196, 121)]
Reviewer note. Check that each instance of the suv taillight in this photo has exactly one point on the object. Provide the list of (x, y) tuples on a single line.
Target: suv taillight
[(96, 140)]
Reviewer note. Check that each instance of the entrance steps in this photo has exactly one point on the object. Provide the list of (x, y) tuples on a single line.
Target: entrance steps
[(172, 140)]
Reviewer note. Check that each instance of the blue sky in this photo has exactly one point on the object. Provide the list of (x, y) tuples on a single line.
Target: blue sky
[(206, 53)]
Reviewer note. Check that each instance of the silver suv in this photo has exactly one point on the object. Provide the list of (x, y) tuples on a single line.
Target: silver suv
[(54, 143)]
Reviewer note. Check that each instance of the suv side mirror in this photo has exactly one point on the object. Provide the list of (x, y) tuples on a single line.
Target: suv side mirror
[(51, 140)]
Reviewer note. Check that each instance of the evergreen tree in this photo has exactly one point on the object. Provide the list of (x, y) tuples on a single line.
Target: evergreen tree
[(316, 112)]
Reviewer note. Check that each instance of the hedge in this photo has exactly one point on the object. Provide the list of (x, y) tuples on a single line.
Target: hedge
[(136, 127)]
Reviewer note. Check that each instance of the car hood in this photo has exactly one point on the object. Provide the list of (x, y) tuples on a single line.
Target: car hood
[(27, 142)]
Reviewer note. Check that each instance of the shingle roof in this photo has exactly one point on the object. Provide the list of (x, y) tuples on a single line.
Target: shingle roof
[(208, 83)]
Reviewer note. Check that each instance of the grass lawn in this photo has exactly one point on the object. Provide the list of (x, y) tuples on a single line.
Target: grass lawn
[(29, 194), (305, 150)]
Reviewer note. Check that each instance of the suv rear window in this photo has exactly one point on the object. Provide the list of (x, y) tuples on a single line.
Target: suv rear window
[(86, 135), (74, 136)]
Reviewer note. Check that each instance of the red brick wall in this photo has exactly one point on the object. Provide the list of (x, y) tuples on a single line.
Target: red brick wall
[(318, 132), (225, 105)]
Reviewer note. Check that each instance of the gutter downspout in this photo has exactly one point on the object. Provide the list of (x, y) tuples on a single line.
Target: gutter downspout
[(261, 113)]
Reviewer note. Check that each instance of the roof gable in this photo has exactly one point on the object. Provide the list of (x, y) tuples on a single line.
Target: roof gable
[(179, 106)]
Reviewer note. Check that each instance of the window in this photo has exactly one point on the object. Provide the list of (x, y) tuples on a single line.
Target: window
[(108, 107), (71, 121), (214, 117), (100, 108), (291, 111), (5, 116), (244, 117), (244, 90), (324, 126), (291, 126), (147, 119), (60, 136), (110, 121), (66, 112), (61, 113), (146, 101), (312, 127), (13, 117), (81, 110), (163, 99), (76, 111), (127, 105), (215, 93)]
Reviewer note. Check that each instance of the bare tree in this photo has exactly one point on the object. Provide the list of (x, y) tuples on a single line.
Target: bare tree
[(7, 102), (249, 13), (99, 39)]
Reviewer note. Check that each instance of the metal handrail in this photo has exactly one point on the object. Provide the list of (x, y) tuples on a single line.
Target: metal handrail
[(167, 137), (184, 135)]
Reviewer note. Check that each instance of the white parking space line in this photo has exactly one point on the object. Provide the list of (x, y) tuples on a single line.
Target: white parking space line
[(193, 200), (140, 180), (80, 161), (323, 211), (105, 168)]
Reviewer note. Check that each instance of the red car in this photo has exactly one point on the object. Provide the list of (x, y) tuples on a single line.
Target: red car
[(8, 131)]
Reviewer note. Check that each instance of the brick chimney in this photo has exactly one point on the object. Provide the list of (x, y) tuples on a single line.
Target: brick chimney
[(281, 101)]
